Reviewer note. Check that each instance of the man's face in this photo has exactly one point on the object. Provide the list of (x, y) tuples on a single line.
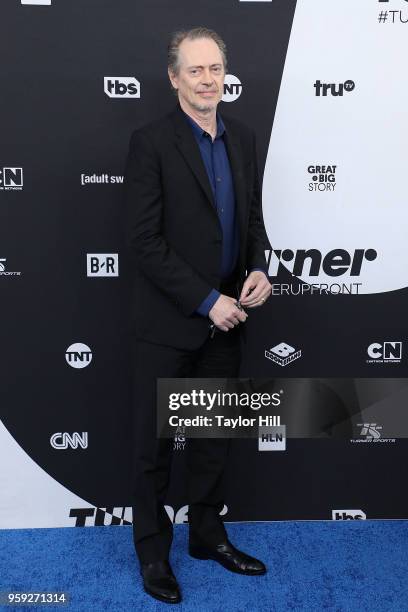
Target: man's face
[(200, 81)]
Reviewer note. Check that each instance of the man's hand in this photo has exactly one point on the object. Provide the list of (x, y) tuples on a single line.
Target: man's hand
[(225, 314), (256, 290)]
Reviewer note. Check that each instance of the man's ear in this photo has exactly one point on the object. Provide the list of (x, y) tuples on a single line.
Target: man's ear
[(172, 81)]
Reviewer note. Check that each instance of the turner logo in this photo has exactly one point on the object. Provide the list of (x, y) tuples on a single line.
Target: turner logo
[(283, 354), (100, 517), (98, 264), (122, 87), (312, 265), (63, 441), (323, 89), (348, 515), (11, 179), (181, 515), (78, 355), (232, 88), (385, 352), (323, 178)]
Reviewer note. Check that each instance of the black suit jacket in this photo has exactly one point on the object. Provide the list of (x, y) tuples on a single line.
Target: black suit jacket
[(172, 227)]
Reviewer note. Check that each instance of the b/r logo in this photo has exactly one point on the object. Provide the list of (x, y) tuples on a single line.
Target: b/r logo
[(122, 87), (322, 89), (102, 264)]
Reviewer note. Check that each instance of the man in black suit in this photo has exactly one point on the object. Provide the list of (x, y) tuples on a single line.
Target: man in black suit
[(195, 232)]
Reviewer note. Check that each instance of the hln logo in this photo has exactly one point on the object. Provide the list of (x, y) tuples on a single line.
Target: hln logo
[(78, 355), (122, 87), (272, 438), (102, 264), (348, 515), (65, 440), (11, 178)]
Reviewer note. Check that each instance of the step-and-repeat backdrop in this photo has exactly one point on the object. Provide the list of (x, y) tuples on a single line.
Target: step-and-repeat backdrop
[(323, 85)]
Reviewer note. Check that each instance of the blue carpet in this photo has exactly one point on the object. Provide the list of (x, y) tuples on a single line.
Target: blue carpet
[(340, 566)]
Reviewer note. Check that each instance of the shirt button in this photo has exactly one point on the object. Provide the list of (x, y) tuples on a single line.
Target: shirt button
[(222, 210), (218, 179)]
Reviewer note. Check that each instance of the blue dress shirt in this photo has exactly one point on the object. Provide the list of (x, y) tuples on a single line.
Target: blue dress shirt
[(215, 158)]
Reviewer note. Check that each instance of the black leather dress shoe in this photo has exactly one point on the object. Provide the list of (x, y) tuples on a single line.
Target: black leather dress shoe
[(160, 582), (227, 555)]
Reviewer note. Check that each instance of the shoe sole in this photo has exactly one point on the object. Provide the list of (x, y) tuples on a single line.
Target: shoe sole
[(198, 554), (163, 599)]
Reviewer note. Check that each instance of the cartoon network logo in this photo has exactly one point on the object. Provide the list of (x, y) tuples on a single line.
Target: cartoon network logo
[(65, 440), (385, 352), (11, 178)]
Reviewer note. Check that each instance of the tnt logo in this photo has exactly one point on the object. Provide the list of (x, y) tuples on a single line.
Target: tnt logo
[(272, 438), (11, 179), (348, 515), (181, 515), (232, 88), (385, 352), (78, 355), (122, 87), (283, 353), (61, 440), (102, 264), (322, 89)]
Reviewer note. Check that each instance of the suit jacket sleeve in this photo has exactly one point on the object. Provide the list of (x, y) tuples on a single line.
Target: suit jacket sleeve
[(257, 239), (154, 257)]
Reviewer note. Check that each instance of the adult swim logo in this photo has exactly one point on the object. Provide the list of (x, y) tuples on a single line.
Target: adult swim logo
[(232, 88), (101, 179), (323, 178), (78, 355), (283, 354), (11, 178), (122, 87), (325, 89), (314, 266), (385, 352), (3, 271)]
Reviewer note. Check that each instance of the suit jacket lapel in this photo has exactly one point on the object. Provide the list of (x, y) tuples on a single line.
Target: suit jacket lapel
[(234, 151), (190, 150)]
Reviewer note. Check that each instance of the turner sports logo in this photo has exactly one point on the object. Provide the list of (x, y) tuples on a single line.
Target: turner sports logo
[(314, 266), (371, 433)]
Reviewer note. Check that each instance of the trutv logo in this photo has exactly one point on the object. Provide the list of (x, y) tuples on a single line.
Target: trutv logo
[(122, 87), (323, 89)]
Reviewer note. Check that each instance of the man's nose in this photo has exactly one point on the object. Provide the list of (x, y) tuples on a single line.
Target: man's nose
[(206, 77)]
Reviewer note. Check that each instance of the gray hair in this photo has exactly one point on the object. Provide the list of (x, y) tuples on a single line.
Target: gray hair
[(177, 38)]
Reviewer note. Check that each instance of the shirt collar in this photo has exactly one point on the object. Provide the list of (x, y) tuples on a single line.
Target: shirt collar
[(198, 130)]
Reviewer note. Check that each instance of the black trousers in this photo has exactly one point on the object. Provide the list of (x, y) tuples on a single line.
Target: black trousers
[(206, 458)]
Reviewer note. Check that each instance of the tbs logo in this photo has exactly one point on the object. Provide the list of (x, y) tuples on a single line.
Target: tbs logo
[(122, 87), (348, 515), (102, 264), (322, 89), (11, 179)]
